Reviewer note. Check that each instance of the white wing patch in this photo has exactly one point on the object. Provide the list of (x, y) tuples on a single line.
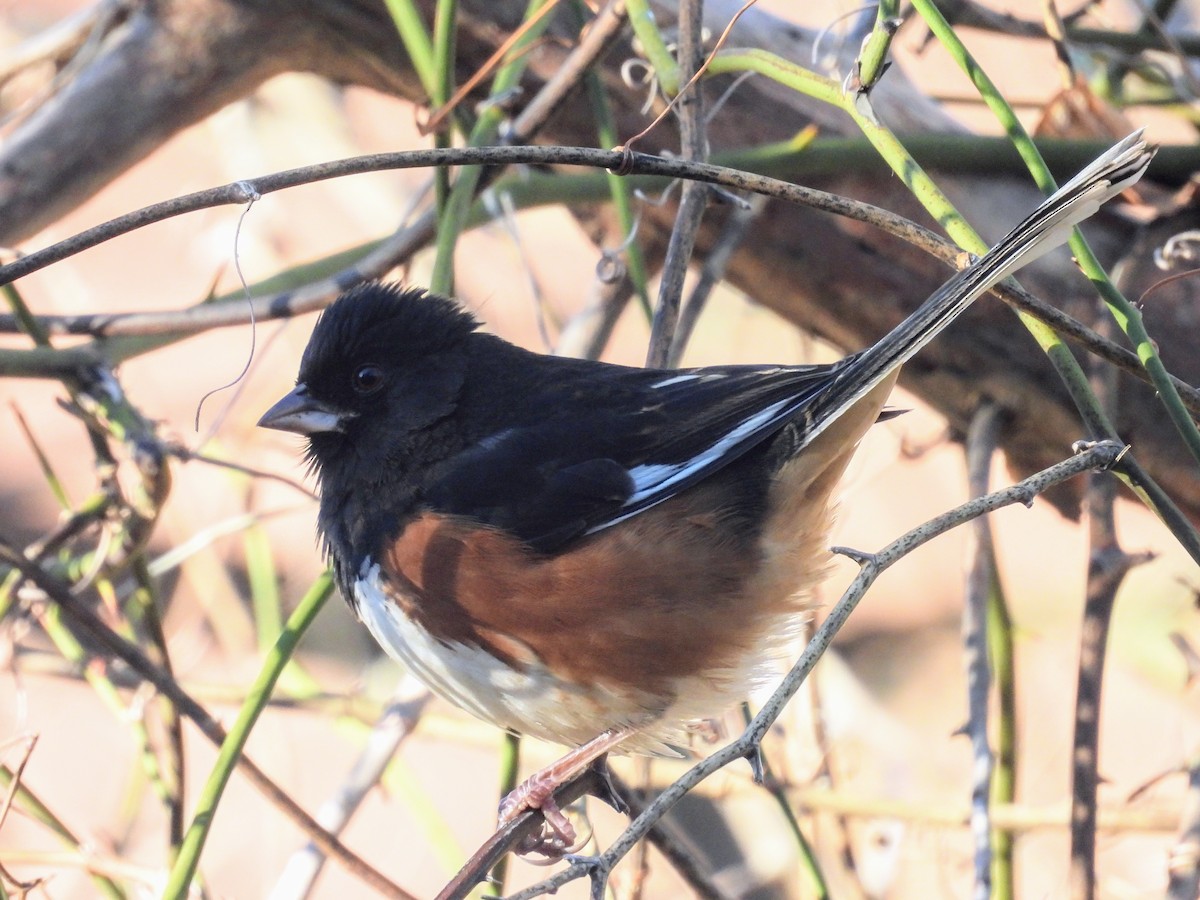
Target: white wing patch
[(657, 478), (676, 379)]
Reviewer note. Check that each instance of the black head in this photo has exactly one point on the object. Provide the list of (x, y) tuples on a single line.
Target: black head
[(382, 366)]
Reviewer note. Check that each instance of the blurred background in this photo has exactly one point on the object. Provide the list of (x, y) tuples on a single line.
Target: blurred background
[(886, 748)]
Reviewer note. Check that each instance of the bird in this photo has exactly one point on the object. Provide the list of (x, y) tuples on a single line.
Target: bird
[(596, 555)]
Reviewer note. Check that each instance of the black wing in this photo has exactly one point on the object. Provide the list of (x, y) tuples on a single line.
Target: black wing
[(632, 439)]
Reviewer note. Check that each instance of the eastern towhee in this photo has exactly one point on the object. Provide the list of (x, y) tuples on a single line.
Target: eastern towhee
[(583, 552)]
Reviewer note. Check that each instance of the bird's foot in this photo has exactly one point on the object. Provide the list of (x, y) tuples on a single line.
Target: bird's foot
[(557, 837)]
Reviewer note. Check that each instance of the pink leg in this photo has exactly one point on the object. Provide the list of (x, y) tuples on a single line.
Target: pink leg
[(537, 792)]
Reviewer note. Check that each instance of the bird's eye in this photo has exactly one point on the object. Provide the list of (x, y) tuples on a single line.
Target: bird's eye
[(367, 379)]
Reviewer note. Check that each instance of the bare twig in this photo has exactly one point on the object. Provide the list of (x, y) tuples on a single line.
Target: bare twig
[(15, 785), (664, 839), (439, 115), (99, 867), (1013, 818), (1107, 566), (693, 147), (711, 272), (809, 865), (187, 454), (982, 441), (1106, 569), (975, 15), (695, 71), (602, 32), (397, 723), (487, 856), (500, 843), (837, 839)]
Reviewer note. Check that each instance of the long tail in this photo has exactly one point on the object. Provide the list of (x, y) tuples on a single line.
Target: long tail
[(1044, 229)]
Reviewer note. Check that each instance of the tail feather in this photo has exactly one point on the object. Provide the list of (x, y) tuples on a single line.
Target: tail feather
[(1045, 228)]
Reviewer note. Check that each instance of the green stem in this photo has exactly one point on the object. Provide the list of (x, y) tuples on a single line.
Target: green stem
[(660, 57), (443, 89), (267, 605), (453, 216), (264, 586), (778, 69), (171, 767), (872, 61), (1004, 771), (417, 44), (28, 322), (444, 19), (188, 860)]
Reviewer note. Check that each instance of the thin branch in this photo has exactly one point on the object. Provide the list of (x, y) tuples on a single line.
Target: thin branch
[(14, 784), (1107, 567), (602, 32), (437, 118), (809, 865), (397, 723), (1106, 570), (694, 148), (501, 842), (982, 441), (488, 856), (688, 20), (1011, 818), (712, 272), (187, 454), (837, 839), (974, 15), (102, 869)]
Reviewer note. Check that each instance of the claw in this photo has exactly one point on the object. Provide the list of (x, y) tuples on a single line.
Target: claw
[(557, 837)]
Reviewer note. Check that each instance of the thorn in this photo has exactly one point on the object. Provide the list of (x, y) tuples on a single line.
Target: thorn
[(757, 769), (594, 863), (859, 556), (604, 788)]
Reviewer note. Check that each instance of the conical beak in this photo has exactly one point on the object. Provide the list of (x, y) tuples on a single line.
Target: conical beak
[(301, 414)]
